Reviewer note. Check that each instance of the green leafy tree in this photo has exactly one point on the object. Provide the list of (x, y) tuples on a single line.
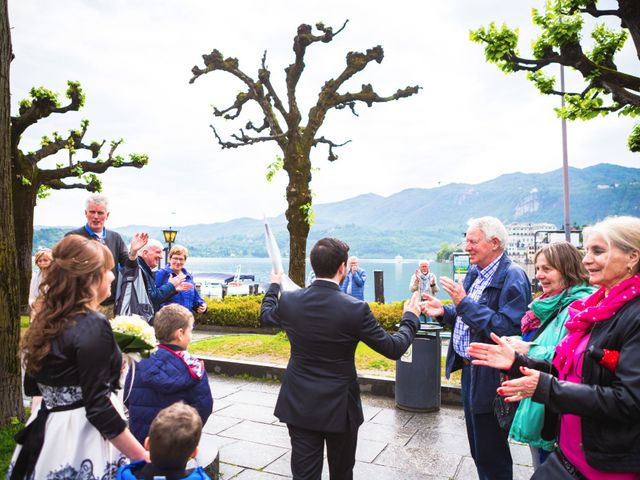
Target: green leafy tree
[(282, 122), (446, 250), (562, 30), (10, 374), (31, 181)]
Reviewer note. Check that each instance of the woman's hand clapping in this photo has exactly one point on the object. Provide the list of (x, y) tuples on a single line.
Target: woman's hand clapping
[(500, 356), (520, 388)]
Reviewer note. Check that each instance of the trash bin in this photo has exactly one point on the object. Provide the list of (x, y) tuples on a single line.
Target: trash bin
[(418, 372)]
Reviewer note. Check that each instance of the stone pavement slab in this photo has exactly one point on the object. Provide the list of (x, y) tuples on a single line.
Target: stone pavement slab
[(260, 433), (257, 413), (392, 443)]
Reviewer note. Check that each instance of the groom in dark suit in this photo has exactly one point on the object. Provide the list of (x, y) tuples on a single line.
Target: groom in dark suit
[(320, 399)]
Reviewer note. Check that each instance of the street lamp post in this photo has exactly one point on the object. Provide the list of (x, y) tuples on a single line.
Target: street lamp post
[(169, 238), (565, 165)]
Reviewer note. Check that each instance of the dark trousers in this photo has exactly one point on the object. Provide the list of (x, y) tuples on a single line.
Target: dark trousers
[(307, 447), (488, 442)]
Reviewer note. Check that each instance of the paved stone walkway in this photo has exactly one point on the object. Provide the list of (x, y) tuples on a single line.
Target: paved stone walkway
[(392, 444)]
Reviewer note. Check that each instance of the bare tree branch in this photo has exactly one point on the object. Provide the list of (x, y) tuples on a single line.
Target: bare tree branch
[(215, 61), (265, 77), (57, 184), (328, 98), (302, 40), (241, 99), (368, 96), (250, 126), (244, 139), (351, 105), (332, 157)]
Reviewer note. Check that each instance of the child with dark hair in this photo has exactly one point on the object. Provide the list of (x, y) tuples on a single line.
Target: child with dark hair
[(172, 442), (169, 375)]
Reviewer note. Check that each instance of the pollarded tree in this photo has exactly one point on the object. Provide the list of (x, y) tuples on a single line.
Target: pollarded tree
[(31, 181), (561, 42), (282, 122), (10, 373)]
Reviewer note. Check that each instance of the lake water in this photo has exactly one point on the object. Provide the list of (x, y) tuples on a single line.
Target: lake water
[(397, 274)]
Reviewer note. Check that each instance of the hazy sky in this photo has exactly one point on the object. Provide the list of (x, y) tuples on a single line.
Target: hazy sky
[(469, 123)]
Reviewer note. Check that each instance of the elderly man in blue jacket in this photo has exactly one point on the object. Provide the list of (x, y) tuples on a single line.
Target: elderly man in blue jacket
[(353, 283), (493, 298)]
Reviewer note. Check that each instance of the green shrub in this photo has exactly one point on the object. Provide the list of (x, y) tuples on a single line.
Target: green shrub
[(388, 314), (244, 312), (8, 444), (235, 311)]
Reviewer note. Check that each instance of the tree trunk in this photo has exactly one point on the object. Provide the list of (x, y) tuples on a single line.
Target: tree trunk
[(298, 167), (24, 203), (10, 378)]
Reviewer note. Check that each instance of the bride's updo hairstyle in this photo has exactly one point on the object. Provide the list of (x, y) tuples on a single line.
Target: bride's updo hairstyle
[(70, 286)]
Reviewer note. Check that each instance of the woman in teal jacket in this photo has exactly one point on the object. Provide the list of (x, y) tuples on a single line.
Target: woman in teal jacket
[(563, 278)]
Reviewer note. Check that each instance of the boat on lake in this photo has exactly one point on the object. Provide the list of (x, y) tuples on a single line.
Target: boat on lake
[(218, 285)]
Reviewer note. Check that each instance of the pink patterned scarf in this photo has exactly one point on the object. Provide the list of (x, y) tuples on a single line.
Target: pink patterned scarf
[(584, 313)]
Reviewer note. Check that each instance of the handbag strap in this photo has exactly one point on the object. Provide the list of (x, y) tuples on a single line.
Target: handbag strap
[(550, 319), (133, 376)]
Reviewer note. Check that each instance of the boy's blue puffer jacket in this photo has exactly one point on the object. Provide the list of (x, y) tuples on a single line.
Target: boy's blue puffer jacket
[(126, 472), (162, 380)]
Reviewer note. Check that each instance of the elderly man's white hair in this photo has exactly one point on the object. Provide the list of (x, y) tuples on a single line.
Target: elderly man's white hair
[(423, 262), (98, 199), (492, 228), (152, 242)]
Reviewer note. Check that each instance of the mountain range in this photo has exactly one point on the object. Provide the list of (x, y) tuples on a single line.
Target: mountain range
[(414, 222)]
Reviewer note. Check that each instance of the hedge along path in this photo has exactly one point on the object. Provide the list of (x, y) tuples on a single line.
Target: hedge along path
[(245, 312)]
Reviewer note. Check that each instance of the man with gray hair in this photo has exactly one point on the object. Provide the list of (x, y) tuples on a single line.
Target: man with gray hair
[(423, 280), (143, 257), (493, 298), (97, 213)]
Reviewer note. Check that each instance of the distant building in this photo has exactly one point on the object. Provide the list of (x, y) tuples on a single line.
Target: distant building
[(523, 241)]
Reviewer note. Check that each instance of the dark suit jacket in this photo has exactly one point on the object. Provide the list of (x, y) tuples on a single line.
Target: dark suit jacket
[(320, 389), (118, 249)]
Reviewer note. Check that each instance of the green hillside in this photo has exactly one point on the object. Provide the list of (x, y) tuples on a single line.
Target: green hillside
[(414, 222)]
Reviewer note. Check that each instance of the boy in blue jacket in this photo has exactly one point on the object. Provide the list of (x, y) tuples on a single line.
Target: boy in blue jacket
[(169, 375), (172, 441)]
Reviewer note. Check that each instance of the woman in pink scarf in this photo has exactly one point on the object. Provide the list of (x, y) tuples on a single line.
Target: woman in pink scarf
[(593, 382)]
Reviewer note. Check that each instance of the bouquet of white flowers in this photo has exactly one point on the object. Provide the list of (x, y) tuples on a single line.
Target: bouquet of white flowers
[(133, 334)]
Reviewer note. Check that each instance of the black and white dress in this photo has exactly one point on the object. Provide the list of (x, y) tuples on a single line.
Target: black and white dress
[(79, 411)]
